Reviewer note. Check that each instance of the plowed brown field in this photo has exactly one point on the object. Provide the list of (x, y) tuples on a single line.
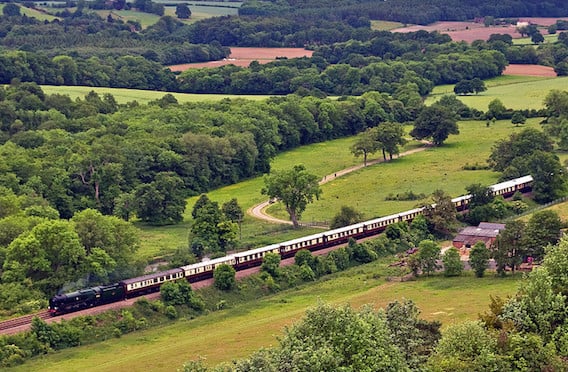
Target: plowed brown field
[(470, 31), (529, 70), (244, 56)]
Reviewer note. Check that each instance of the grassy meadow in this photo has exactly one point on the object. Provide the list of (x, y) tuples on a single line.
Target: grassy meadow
[(548, 38), (422, 172), (365, 189), (385, 25), (198, 12), (123, 95), (237, 332), (516, 92)]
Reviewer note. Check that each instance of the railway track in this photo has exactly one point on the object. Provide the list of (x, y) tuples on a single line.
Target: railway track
[(10, 324)]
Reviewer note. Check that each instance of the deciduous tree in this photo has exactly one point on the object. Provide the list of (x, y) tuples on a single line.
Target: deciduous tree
[(518, 118), (435, 122), (224, 276), (390, 135), (509, 247), (441, 215), (295, 188), (428, 256), (452, 262), (479, 258), (346, 216), (333, 339), (183, 11), (271, 264), (366, 144), (543, 229)]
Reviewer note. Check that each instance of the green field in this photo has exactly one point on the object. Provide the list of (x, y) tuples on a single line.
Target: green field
[(198, 12), (423, 172), (516, 92), (142, 96), (385, 25), (233, 333), (527, 40), (365, 189)]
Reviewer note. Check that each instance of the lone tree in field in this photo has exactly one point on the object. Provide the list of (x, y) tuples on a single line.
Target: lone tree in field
[(435, 122), (518, 118), (183, 11), (295, 188), (366, 144)]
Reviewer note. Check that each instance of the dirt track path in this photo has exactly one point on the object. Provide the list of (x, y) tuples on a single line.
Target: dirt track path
[(259, 211)]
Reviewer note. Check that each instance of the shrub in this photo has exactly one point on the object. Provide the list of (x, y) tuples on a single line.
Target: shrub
[(171, 312), (307, 274), (224, 276)]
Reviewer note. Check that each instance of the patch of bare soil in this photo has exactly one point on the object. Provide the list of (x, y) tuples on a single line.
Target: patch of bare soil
[(242, 57), (529, 70), (470, 31)]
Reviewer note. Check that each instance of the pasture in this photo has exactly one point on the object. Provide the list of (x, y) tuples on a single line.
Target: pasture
[(385, 25), (422, 172), (198, 12), (123, 96), (365, 189), (548, 38), (236, 332), (516, 92)]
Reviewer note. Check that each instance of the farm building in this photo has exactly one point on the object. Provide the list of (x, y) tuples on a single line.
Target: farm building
[(486, 232)]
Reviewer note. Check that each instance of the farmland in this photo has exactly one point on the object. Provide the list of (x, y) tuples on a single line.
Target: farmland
[(244, 56), (471, 31), (515, 92), (142, 96)]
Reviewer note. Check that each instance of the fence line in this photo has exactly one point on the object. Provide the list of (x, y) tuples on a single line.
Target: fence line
[(538, 208)]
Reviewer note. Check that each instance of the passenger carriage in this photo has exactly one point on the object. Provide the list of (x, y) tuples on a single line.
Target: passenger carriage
[(149, 283), (310, 242), (254, 257), (204, 270)]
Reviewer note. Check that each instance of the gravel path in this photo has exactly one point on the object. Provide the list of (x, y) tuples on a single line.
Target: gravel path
[(259, 211)]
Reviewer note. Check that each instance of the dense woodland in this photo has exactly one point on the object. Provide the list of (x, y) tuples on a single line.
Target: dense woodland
[(74, 172), (405, 11)]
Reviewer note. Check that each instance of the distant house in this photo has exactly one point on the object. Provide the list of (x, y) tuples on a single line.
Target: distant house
[(486, 232)]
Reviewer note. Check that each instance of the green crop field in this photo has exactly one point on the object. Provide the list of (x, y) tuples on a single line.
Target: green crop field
[(516, 92), (527, 40), (142, 96), (237, 332), (385, 25), (198, 12)]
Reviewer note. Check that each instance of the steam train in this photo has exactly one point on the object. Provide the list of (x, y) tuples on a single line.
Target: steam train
[(129, 288)]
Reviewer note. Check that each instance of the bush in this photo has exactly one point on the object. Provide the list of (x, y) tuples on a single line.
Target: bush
[(307, 274), (362, 254), (171, 312), (271, 264), (224, 276), (405, 196)]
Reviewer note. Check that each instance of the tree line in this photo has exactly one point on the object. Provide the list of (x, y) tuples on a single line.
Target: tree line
[(88, 35), (405, 11), (94, 153)]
